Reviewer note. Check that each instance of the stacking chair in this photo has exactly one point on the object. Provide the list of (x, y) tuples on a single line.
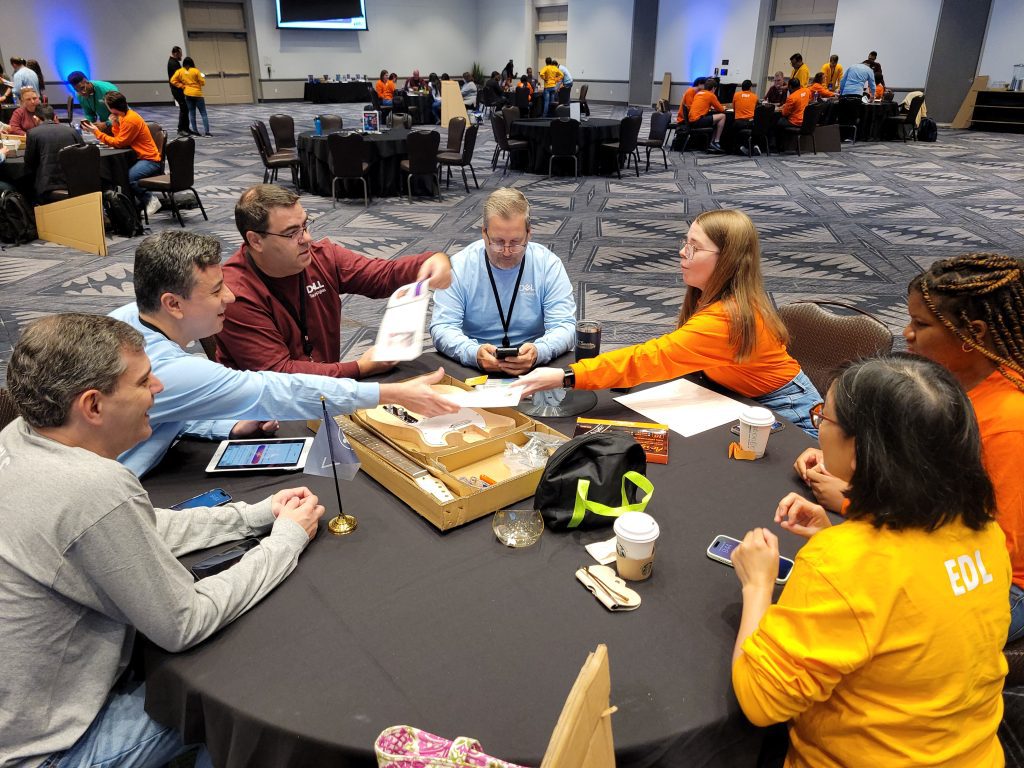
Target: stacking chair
[(563, 96), (71, 111), (522, 99), (273, 161), (347, 161), (806, 128), (565, 135), (510, 115), (330, 123), (399, 120), (908, 119), (462, 160), (456, 130), (283, 128), (847, 113), (81, 166), (505, 145), (821, 340), (562, 112), (399, 104), (625, 149), (180, 177), (537, 105), (656, 137), (759, 130), (422, 159), (687, 131), (375, 103), (584, 107), (8, 411)]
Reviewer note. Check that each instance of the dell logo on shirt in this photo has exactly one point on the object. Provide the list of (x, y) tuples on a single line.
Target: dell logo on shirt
[(965, 573), (315, 289), (526, 287)]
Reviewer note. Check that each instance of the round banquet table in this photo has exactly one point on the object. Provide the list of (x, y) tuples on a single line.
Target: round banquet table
[(386, 151), (537, 131), (872, 121), (424, 114), (114, 166), (454, 633)]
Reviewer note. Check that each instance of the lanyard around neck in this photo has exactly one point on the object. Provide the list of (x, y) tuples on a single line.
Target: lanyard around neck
[(505, 321), (301, 320)]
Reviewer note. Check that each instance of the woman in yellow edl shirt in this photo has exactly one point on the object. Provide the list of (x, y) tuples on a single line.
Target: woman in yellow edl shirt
[(885, 647), (192, 81)]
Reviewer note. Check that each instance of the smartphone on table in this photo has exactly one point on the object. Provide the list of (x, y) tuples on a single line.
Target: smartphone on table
[(212, 498), (722, 547)]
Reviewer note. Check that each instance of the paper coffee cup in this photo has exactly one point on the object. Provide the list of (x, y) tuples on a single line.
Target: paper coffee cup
[(755, 427), (635, 536)]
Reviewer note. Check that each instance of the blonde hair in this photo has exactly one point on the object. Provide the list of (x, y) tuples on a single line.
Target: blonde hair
[(26, 89), (736, 281), (506, 203)]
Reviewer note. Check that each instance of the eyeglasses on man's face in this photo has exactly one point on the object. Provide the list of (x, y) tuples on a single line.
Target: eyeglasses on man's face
[(295, 236), (513, 247), (818, 415), (688, 250)]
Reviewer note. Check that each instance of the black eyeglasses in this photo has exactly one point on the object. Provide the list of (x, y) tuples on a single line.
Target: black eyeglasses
[(294, 236), (818, 416)]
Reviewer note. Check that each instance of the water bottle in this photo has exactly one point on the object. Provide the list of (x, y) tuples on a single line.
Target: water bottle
[(317, 126)]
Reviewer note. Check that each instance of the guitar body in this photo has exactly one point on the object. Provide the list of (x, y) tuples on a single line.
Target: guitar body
[(440, 433)]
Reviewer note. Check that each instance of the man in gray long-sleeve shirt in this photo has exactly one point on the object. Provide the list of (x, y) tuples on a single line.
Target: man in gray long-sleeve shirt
[(85, 559)]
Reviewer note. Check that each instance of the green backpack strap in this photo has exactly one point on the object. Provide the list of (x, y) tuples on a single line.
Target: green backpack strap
[(582, 504)]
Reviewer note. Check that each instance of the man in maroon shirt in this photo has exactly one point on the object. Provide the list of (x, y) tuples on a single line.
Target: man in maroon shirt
[(287, 311)]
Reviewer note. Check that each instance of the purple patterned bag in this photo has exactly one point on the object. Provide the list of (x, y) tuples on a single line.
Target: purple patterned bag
[(403, 746)]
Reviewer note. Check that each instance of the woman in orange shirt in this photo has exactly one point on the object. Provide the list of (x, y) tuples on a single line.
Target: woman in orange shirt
[(818, 87), (727, 328), (385, 89), (967, 314)]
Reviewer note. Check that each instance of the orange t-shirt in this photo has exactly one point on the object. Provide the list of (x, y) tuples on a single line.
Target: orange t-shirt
[(687, 101), (879, 91), (743, 105), (131, 131), (700, 344), (385, 90), (703, 103), (999, 407), (821, 90), (793, 109)]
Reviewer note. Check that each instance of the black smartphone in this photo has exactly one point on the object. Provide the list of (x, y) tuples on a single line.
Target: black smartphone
[(505, 352), (212, 498), (223, 560), (721, 550)]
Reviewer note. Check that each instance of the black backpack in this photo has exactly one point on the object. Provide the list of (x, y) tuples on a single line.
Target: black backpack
[(927, 130), (591, 480), (124, 221), (17, 220)]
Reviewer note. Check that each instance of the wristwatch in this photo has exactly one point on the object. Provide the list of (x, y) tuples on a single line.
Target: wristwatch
[(568, 378)]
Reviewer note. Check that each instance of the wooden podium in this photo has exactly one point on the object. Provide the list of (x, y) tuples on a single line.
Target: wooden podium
[(451, 102)]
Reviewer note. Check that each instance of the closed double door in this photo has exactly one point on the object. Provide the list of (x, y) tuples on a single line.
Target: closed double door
[(224, 58)]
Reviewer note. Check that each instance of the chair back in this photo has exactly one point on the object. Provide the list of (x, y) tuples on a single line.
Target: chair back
[(510, 114), (81, 166), (1014, 652), (563, 111), (821, 340), (634, 111), (583, 92), (764, 119), (265, 137), (565, 135), (422, 147), (71, 108), (469, 144), (456, 130), (330, 123), (398, 103), (811, 114), (347, 155), (399, 120), (260, 147), (8, 411), (629, 132), (659, 126), (582, 737), (914, 108), (563, 95), (522, 99), (283, 127), (500, 130), (181, 158)]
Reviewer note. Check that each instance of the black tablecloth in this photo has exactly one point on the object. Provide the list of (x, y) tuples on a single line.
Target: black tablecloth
[(454, 633), (387, 150), (424, 114), (537, 131), (336, 93), (872, 121), (114, 167)]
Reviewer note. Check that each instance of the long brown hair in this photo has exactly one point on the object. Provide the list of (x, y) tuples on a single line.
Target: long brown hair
[(736, 281)]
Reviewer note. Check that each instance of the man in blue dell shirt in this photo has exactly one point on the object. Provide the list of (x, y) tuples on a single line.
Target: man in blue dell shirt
[(854, 79), (505, 292)]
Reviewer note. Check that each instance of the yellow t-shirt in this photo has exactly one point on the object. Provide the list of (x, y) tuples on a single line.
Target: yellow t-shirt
[(832, 79), (550, 75), (885, 649), (802, 73)]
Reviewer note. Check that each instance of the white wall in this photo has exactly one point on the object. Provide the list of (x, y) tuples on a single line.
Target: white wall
[(109, 40), (1004, 41), (429, 35), (902, 31), (694, 36), (504, 31), (598, 44)]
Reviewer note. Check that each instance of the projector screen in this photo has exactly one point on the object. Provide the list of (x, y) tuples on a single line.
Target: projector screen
[(321, 14)]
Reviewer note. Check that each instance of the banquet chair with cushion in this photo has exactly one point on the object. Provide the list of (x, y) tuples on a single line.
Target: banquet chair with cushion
[(759, 129), (283, 128), (510, 115), (347, 159), (273, 162), (489, 103), (625, 149), (656, 137), (584, 107), (71, 111), (330, 123), (687, 131), (505, 145), (821, 340), (565, 136), (399, 120), (180, 177), (422, 159), (522, 99), (8, 412), (456, 130), (461, 160), (806, 128), (81, 166), (563, 96), (910, 118), (562, 112), (537, 105)]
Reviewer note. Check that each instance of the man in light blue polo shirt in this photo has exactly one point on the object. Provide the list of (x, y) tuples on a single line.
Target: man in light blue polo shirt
[(180, 297), (854, 79), (22, 77), (506, 292)]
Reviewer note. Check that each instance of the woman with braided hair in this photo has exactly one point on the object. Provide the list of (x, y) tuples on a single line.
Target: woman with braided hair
[(967, 314)]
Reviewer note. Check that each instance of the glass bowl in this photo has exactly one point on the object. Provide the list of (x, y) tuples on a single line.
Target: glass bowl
[(518, 527)]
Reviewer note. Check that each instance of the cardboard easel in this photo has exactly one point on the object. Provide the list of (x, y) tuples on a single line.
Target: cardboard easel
[(583, 735), (76, 222), (666, 88), (451, 102)]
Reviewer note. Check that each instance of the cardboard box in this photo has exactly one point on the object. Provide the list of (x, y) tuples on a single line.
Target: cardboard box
[(480, 458)]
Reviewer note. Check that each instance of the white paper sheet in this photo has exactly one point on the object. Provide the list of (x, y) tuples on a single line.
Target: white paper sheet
[(686, 407), (400, 336), (487, 397)]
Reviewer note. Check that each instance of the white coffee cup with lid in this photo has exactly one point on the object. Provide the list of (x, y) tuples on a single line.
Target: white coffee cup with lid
[(755, 427), (635, 536)]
